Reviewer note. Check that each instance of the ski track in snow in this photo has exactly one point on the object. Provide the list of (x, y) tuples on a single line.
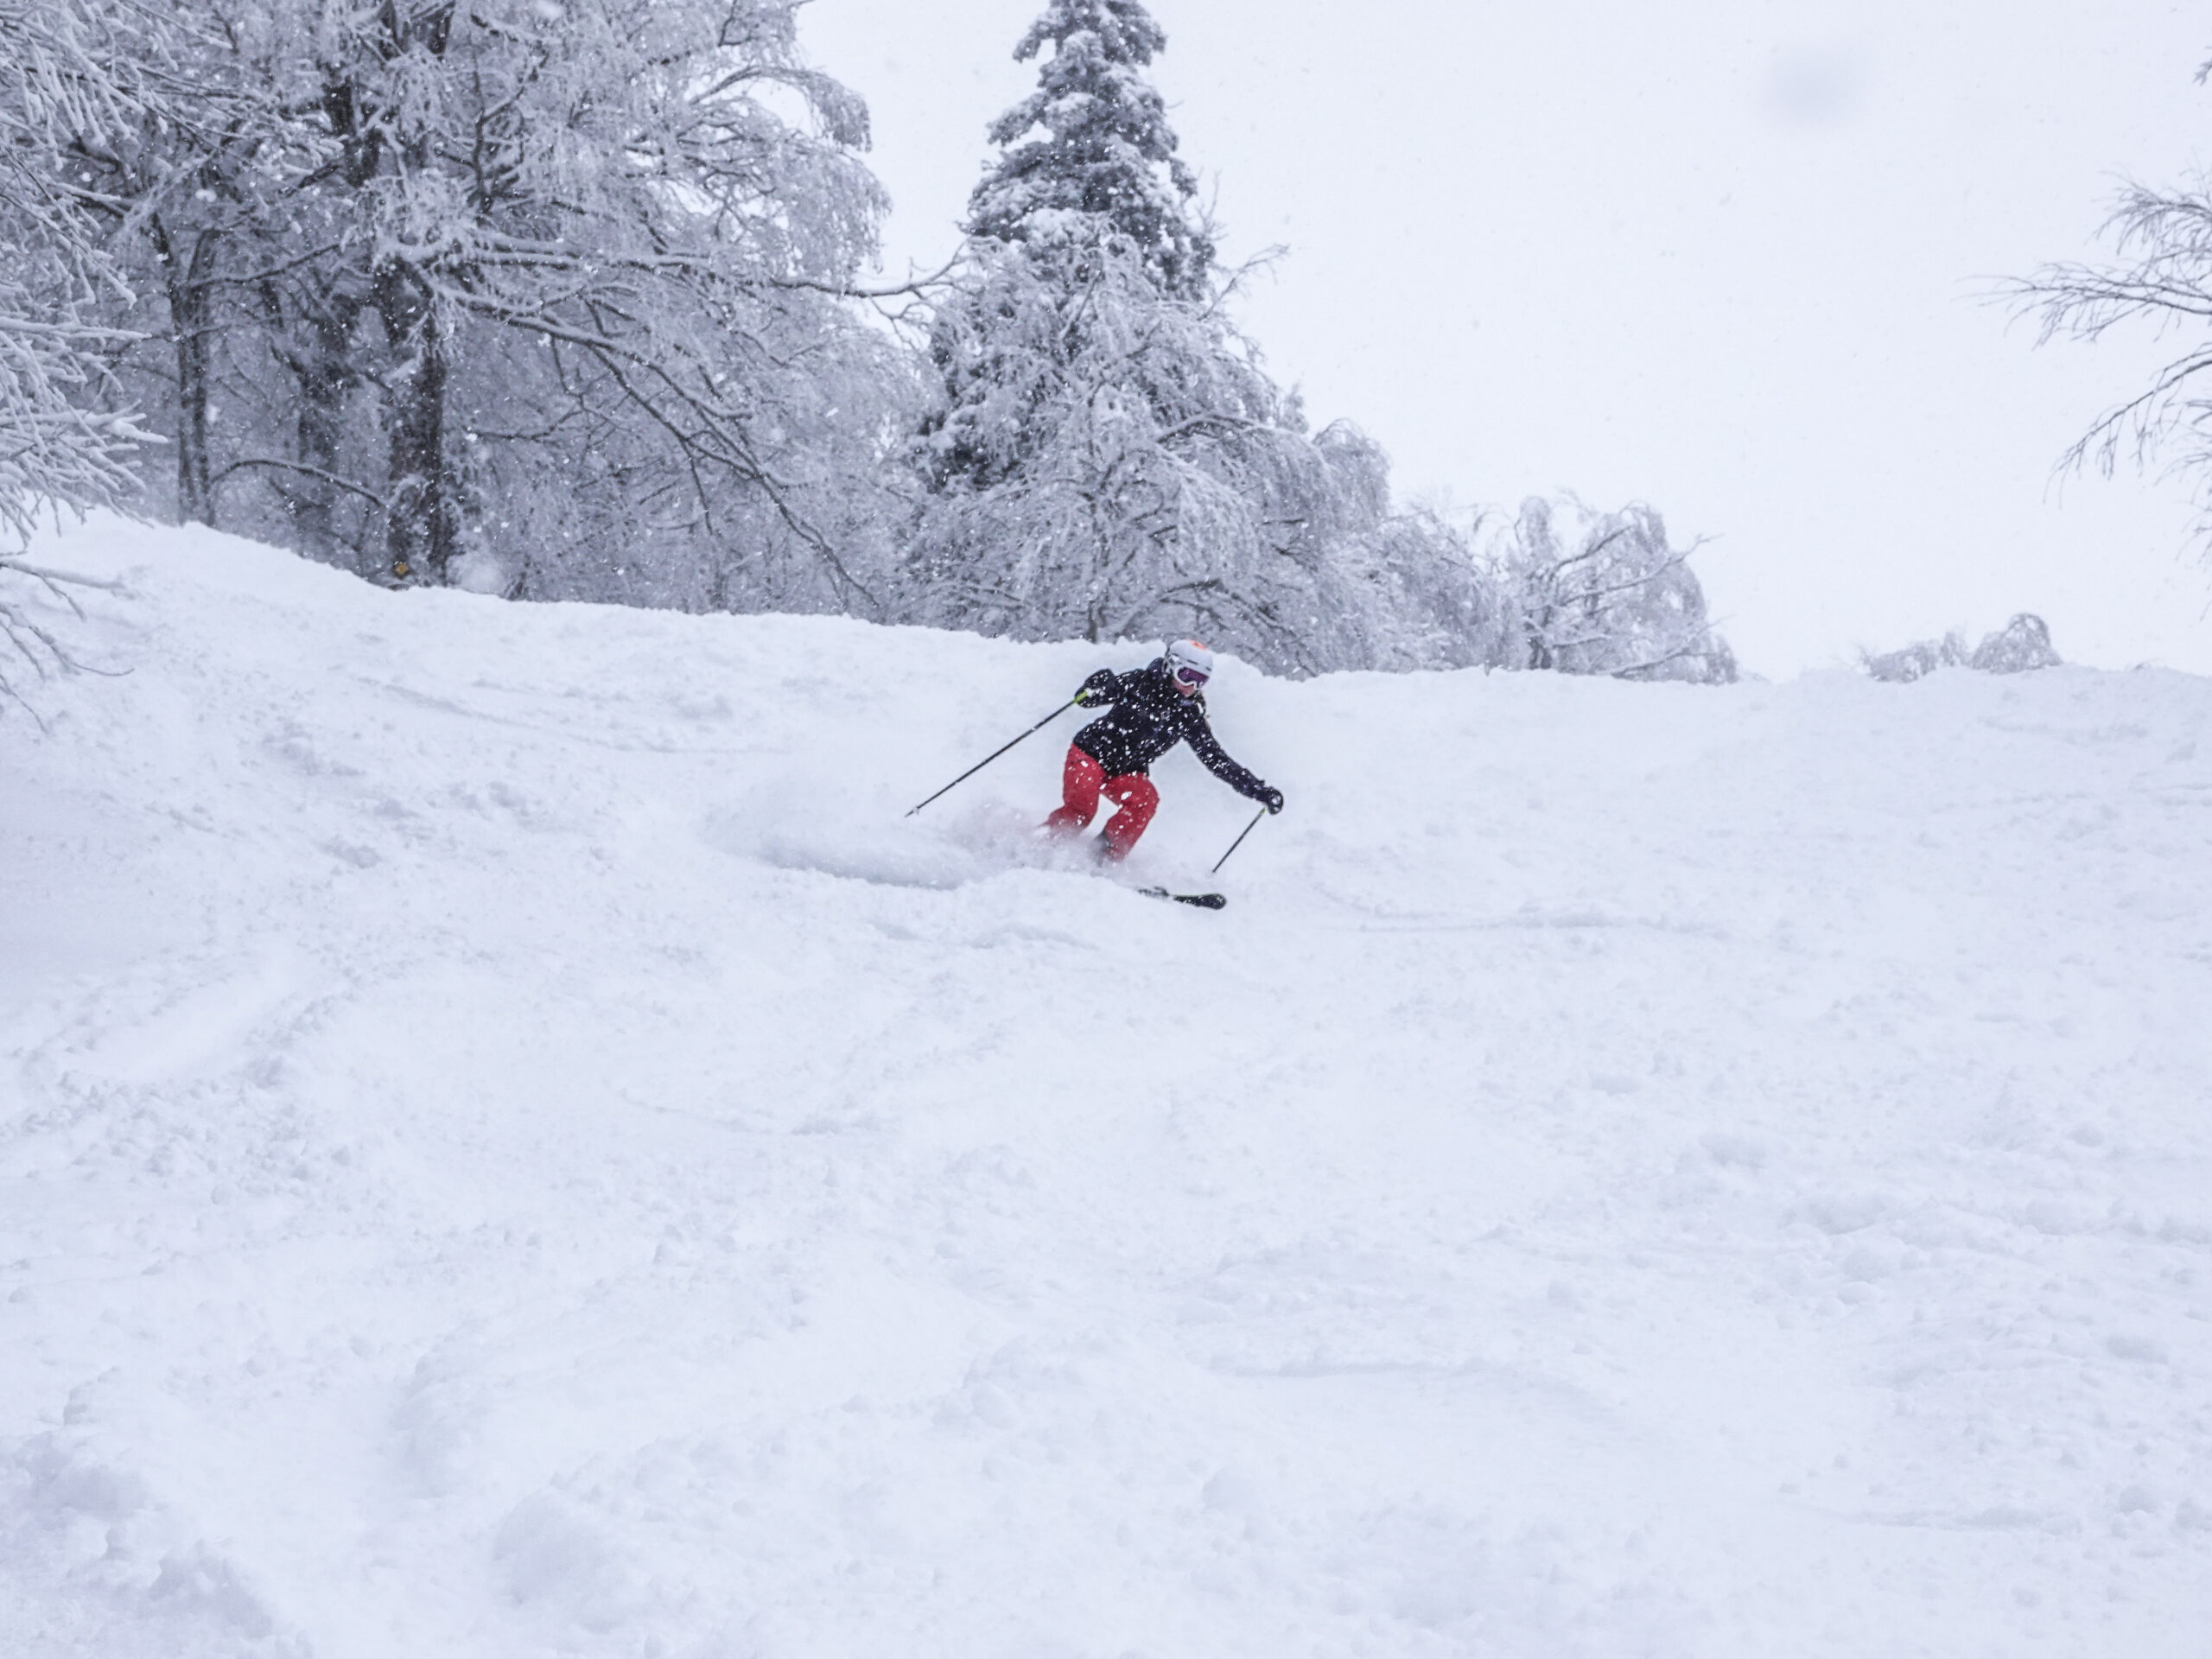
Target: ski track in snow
[(512, 1144)]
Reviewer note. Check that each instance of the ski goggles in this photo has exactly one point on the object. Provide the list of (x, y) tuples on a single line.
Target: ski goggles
[(1187, 676)]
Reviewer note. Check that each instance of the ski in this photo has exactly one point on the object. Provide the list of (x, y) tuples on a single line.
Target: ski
[(1203, 901)]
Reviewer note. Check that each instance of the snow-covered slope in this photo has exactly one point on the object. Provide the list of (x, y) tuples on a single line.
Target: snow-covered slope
[(512, 1144)]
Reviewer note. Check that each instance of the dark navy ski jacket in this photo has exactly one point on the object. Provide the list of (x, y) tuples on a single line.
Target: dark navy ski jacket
[(1151, 717)]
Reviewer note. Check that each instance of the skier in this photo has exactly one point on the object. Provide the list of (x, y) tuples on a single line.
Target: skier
[(1155, 708)]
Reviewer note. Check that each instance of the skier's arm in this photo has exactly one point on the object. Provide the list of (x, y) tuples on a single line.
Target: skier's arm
[(1101, 690), (1216, 760)]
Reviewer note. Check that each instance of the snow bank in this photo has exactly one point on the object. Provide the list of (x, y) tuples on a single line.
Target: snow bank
[(513, 1144)]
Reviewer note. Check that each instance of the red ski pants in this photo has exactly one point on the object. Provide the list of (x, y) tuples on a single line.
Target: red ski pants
[(1082, 783)]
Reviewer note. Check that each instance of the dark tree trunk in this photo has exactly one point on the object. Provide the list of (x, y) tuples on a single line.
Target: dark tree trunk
[(421, 514), (191, 299), (326, 373), (420, 509)]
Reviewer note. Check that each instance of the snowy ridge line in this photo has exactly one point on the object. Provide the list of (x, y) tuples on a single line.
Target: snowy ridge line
[(602, 1182)]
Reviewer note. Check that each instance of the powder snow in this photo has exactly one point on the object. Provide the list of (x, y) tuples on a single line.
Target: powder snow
[(511, 1144)]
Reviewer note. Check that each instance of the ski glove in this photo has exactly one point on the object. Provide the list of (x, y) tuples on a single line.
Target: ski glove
[(1089, 692), (1271, 798)]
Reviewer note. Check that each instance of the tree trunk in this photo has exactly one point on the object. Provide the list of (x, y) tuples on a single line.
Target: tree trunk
[(325, 372), (420, 511), (191, 296)]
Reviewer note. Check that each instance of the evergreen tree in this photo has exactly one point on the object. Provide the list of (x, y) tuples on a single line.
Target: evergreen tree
[(1107, 459), (1105, 151)]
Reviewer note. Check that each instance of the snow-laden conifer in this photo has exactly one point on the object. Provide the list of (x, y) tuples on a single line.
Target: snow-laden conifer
[(1107, 458), (1093, 141)]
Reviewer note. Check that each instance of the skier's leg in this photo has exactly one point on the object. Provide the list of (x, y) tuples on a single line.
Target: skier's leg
[(1134, 794), (1079, 782)]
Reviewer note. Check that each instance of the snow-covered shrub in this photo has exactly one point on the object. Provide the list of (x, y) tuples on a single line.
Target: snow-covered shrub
[(2022, 645), (1922, 656)]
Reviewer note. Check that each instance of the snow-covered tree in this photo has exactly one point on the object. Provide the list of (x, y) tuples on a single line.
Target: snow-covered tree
[(1607, 594), (1106, 457), (2162, 277), (557, 283), (65, 441), (1058, 218), (1117, 464), (601, 205), (1408, 592), (65, 65), (1092, 142), (2021, 646), (197, 193), (644, 248)]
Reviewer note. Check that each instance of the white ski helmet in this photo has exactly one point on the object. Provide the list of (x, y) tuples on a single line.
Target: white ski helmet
[(1188, 660)]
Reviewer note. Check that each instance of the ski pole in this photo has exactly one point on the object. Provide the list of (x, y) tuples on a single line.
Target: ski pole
[(1239, 841), (994, 754)]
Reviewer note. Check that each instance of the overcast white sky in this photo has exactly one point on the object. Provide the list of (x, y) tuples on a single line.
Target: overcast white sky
[(1724, 257)]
